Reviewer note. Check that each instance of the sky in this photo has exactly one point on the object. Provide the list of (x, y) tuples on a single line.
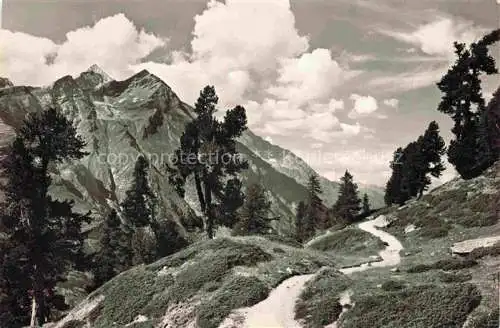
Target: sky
[(342, 83)]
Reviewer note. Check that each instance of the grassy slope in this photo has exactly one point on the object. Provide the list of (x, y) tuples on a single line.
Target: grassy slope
[(349, 246), (430, 288), (431, 282), (204, 282)]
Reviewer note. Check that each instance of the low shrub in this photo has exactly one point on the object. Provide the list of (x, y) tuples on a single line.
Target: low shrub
[(393, 285), (349, 238), (318, 304), (127, 295), (237, 292), (446, 265), (427, 306), (454, 277), (213, 267), (481, 252)]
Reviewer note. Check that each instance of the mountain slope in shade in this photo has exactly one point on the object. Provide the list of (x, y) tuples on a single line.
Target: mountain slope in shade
[(288, 163)]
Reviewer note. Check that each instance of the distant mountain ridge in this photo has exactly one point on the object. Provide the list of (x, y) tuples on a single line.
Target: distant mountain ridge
[(141, 115)]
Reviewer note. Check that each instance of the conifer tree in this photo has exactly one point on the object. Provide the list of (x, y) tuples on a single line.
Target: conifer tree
[(432, 147), (143, 244), (138, 211), (316, 211), (168, 238), (42, 237), (366, 205), (138, 204), (208, 153), (462, 99), (255, 212), (412, 169), (115, 254), (231, 201), (393, 187), (300, 233), (348, 203)]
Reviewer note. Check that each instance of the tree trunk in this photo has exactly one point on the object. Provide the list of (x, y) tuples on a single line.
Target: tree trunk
[(209, 210), (33, 323), (199, 190)]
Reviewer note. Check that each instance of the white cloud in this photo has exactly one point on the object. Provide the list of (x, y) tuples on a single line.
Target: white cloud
[(311, 77), (113, 43), (366, 166), (393, 102), (436, 38), (332, 106), (363, 106), (351, 130), (421, 77)]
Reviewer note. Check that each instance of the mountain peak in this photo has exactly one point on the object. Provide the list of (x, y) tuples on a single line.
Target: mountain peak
[(98, 70)]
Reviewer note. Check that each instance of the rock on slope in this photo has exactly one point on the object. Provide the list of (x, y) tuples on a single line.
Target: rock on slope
[(141, 115)]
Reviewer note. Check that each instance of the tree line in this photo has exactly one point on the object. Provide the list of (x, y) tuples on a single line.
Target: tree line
[(313, 215)]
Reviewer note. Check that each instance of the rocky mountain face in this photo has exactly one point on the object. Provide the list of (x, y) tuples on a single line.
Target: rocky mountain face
[(121, 120), (286, 162)]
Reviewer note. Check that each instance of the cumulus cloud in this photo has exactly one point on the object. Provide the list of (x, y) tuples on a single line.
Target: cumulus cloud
[(436, 38), (393, 102), (311, 77), (113, 43), (363, 105)]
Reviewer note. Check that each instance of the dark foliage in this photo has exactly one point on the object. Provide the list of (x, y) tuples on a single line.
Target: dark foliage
[(255, 212), (42, 237), (471, 151), (413, 166), (348, 203), (208, 153), (115, 254)]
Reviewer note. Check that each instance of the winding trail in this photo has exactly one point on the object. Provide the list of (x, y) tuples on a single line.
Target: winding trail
[(278, 309), (390, 255)]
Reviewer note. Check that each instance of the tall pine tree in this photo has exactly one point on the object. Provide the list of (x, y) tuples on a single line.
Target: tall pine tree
[(432, 147), (316, 216), (208, 154), (42, 237), (255, 212), (348, 203), (470, 151), (413, 166), (232, 199), (115, 254), (300, 229), (365, 210), (138, 209), (393, 188), (138, 206)]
